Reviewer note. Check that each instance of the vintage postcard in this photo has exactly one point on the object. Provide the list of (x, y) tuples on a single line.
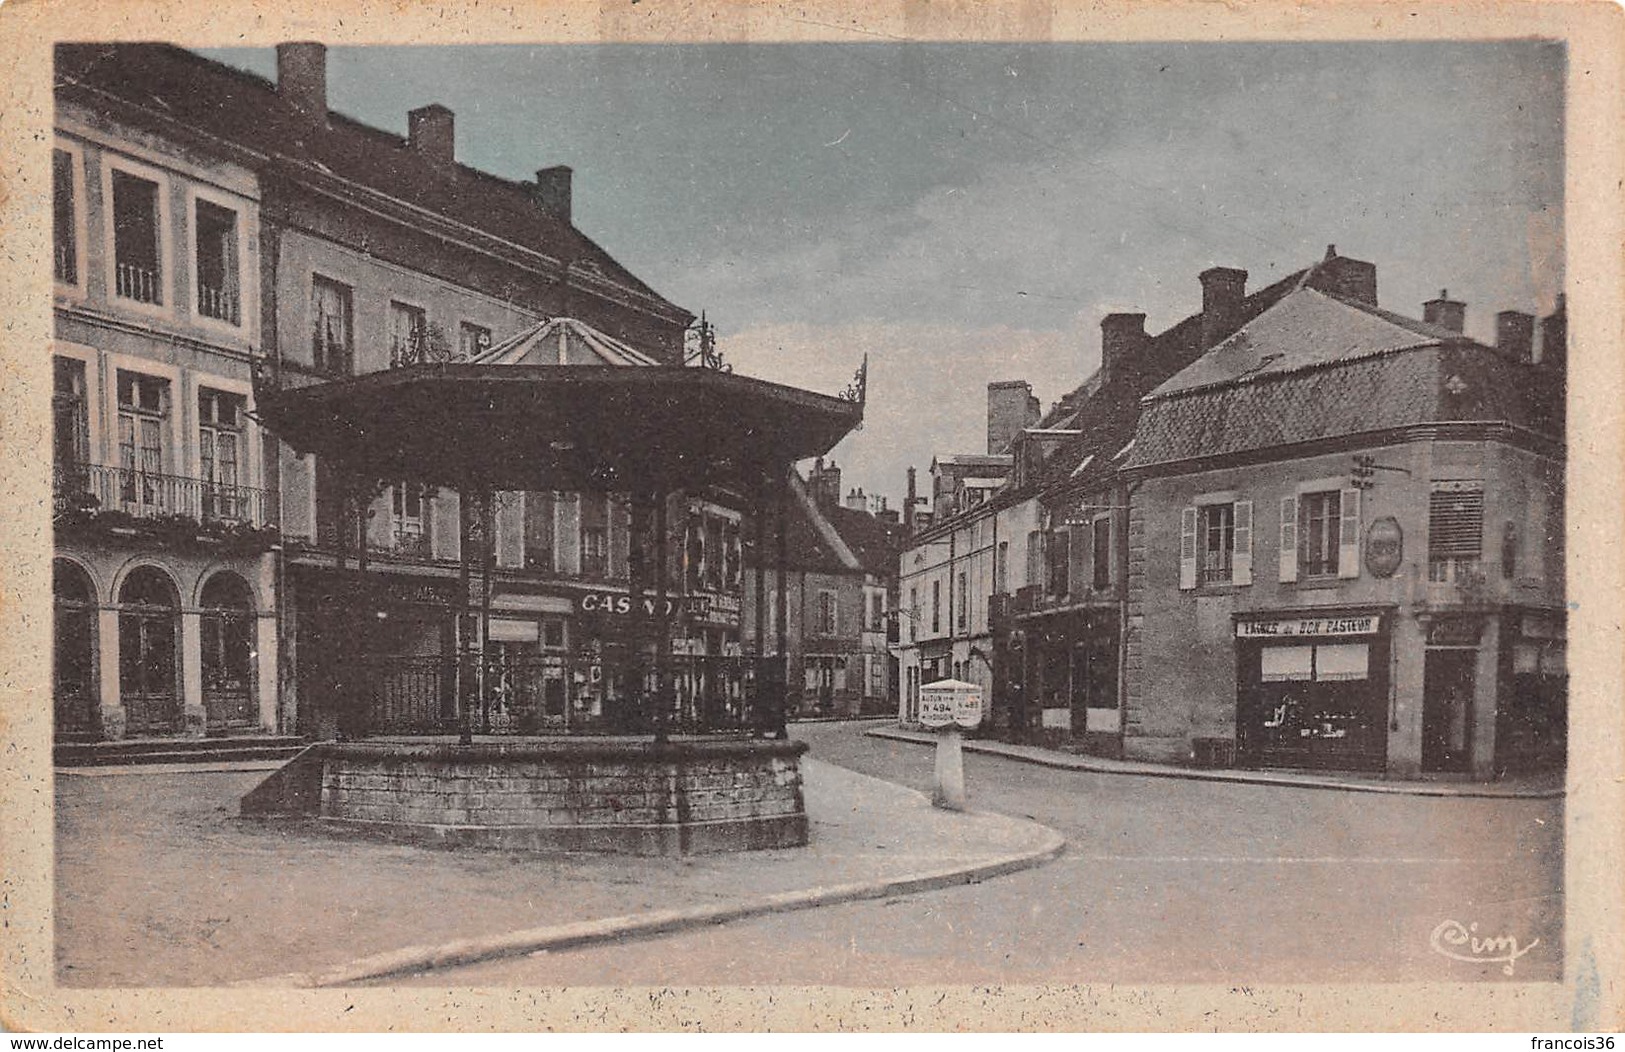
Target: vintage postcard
[(1031, 516)]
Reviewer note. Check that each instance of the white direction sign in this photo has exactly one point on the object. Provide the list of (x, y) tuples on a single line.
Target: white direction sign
[(950, 702)]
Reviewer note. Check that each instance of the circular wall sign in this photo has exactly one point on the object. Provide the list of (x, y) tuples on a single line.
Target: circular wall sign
[(1384, 546)]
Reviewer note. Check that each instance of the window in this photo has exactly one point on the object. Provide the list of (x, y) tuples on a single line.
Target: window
[(138, 274), (936, 607), (539, 531), (913, 612), (1215, 543), (1218, 542), (962, 607), (1101, 549), (1035, 558), (1059, 557), (694, 556), (1001, 568), (1455, 529), (594, 535), (220, 453), (66, 256), (472, 339), (143, 415), (732, 556), (1317, 534), (218, 293), (408, 335), (877, 677), (826, 613), (333, 341), (70, 422), (877, 611), (553, 633), (1320, 534), (408, 503)]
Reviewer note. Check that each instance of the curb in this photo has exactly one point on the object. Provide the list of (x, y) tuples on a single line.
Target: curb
[(586, 933), (1076, 763)]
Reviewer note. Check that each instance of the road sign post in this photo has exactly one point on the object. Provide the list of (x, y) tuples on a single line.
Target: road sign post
[(947, 706)]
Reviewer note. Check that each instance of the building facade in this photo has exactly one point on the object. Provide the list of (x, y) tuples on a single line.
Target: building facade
[(164, 519), (1346, 540)]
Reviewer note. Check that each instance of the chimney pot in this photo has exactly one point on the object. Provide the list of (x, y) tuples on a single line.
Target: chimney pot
[(1445, 312), (1223, 289), (553, 191), (301, 77), (431, 131), (1515, 334)]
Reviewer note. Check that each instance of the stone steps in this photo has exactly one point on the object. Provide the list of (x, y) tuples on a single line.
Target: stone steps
[(176, 750)]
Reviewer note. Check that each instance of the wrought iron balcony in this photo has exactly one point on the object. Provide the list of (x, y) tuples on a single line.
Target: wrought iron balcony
[(98, 488), (142, 284)]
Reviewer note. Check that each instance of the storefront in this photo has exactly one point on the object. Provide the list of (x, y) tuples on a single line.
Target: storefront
[(1531, 727), (1313, 690)]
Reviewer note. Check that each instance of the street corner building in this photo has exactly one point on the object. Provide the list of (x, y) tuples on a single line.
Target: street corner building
[(1294, 530)]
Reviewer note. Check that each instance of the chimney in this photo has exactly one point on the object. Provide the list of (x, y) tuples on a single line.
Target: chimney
[(430, 132), (1445, 312), (1123, 340), (824, 483), (1010, 407), (301, 77), (1554, 336), (1350, 279), (1223, 289), (1515, 334), (856, 501), (910, 503), (553, 191)]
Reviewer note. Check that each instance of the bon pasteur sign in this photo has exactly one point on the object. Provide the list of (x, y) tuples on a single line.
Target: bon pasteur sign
[(950, 702), (1384, 546), (1362, 625)]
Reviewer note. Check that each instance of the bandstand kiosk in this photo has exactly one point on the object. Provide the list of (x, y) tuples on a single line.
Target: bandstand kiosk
[(658, 774)]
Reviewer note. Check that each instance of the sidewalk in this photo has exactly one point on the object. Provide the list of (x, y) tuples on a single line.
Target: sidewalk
[(159, 883), (1531, 787)]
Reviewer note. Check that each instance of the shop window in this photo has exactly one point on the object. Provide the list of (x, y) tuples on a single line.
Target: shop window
[(65, 227), (1101, 549), (1284, 664), (137, 270), (220, 454), (1340, 662), (218, 294), (1215, 544), (143, 420), (472, 339), (408, 335), (333, 338), (1455, 529)]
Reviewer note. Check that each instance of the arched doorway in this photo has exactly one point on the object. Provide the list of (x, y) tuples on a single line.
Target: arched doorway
[(73, 669), (149, 680), (228, 655)]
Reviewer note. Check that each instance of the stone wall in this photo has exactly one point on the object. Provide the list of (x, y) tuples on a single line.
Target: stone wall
[(633, 797)]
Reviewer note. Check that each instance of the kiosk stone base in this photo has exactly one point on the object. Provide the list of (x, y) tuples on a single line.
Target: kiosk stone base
[(607, 795)]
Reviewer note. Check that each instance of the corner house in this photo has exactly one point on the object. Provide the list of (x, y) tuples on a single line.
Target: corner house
[(1348, 530)]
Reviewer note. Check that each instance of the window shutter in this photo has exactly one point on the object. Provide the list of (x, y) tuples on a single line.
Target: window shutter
[(1241, 548), (445, 533), (1289, 539), (1348, 534), (1187, 548), (511, 530)]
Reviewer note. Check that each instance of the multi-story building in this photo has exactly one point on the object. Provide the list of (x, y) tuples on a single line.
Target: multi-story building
[(209, 220), (163, 577), (1346, 545)]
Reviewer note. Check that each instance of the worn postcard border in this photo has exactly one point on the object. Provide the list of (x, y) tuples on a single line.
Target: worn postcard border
[(1589, 998)]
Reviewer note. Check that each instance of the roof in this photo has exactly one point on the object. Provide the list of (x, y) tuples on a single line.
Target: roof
[(1317, 366), (562, 341), (1306, 328), (875, 542), (193, 95), (812, 542)]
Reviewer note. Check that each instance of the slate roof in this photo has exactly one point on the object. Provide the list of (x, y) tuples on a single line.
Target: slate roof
[(876, 543), (245, 110), (1316, 366)]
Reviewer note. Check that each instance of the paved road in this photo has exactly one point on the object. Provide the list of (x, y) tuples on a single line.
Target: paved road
[(1163, 881)]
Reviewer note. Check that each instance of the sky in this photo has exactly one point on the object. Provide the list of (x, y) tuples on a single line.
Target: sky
[(965, 213)]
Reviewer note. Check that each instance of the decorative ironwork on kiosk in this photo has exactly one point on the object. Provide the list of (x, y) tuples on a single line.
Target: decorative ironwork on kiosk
[(565, 407)]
